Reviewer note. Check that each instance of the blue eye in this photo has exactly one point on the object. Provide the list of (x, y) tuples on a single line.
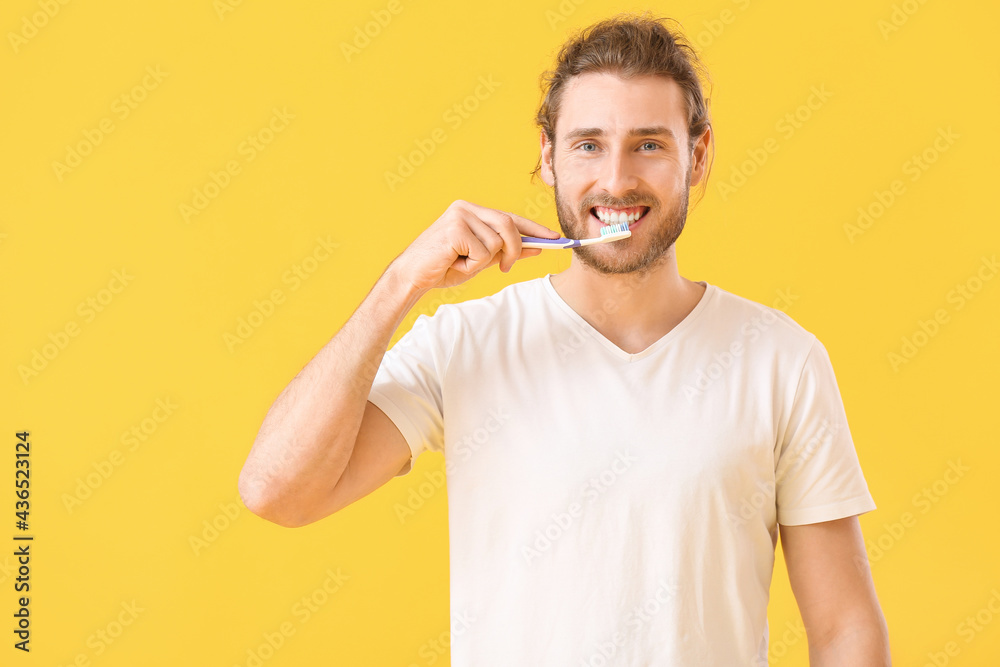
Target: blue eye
[(589, 143), (650, 143)]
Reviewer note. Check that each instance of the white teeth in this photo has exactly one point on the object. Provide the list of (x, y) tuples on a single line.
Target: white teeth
[(616, 217)]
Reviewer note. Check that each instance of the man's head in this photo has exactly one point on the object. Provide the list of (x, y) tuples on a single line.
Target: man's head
[(624, 124)]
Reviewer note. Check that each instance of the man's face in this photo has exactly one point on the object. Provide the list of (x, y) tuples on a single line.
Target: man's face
[(621, 145)]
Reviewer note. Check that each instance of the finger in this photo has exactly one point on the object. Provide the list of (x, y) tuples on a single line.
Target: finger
[(490, 240), (513, 249), (466, 265), (499, 244), (473, 253), (506, 225), (503, 224), (524, 226), (531, 228)]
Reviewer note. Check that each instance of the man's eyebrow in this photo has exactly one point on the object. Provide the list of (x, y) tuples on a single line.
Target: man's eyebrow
[(658, 130)]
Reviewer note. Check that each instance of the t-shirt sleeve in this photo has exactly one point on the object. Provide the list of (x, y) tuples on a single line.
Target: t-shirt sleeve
[(817, 473), (407, 385)]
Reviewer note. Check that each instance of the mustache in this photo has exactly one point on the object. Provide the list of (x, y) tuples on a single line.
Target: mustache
[(623, 203)]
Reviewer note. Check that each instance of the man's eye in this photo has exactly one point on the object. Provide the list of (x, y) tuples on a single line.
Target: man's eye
[(651, 144), (589, 143)]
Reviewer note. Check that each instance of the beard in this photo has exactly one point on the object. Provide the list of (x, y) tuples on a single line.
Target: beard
[(626, 255)]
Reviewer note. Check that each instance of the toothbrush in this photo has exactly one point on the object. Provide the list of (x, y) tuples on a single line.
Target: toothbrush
[(608, 234)]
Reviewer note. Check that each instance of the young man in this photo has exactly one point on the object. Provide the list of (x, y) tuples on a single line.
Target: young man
[(622, 443)]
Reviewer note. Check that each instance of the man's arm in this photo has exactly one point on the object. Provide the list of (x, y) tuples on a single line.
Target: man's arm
[(832, 583), (322, 444), (308, 436)]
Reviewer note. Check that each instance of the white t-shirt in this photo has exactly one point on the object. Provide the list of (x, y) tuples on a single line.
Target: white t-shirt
[(608, 508)]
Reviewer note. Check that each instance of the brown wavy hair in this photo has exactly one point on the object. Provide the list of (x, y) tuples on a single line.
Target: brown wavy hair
[(630, 45)]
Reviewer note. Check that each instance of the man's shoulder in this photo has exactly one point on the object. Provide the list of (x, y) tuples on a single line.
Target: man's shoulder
[(758, 321)]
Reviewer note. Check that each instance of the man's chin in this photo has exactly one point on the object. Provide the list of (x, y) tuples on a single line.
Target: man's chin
[(619, 257), (617, 265)]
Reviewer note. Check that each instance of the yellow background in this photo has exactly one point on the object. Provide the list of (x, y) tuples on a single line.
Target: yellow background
[(163, 336)]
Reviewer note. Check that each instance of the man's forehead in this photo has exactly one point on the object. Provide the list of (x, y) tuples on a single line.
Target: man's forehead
[(619, 105)]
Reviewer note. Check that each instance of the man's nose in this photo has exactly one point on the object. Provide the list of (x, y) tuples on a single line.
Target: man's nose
[(618, 176)]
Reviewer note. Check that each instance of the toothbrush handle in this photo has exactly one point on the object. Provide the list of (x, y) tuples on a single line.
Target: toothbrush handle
[(537, 242)]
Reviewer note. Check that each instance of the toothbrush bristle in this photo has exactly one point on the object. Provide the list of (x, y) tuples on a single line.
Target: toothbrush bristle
[(614, 229)]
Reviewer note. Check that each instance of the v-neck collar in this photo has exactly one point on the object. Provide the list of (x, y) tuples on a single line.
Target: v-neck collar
[(699, 308)]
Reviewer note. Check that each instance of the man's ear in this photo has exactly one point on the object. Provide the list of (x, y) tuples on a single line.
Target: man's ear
[(546, 170), (699, 156)]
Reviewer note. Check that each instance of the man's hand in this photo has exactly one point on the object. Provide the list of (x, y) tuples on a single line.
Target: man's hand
[(466, 239)]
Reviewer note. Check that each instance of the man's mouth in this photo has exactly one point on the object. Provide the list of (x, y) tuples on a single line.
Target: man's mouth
[(616, 216)]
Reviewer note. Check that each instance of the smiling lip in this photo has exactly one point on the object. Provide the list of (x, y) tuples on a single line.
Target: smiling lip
[(631, 225)]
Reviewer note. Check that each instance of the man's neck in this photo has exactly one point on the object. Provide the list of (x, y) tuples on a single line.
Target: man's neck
[(632, 311)]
